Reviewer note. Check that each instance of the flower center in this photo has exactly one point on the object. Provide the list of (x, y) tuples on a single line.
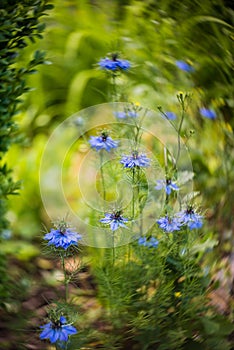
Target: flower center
[(114, 57), (190, 211), (117, 215), (56, 324), (104, 136), (135, 154)]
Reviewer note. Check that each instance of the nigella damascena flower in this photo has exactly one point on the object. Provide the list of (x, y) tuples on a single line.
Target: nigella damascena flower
[(62, 237), (57, 331), (124, 115), (208, 113), (150, 243), (184, 66), (168, 185), (115, 220), (170, 115), (114, 63), (169, 224), (190, 218), (135, 160), (103, 142)]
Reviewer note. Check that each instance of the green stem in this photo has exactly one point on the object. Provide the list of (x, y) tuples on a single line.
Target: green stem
[(139, 203), (179, 131), (114, 89), (65, 277), (166, 173), (102, 176), (113, 249), (133, 192)]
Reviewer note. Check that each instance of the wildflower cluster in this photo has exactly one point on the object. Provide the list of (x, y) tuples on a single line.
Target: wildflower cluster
[(158, 251)]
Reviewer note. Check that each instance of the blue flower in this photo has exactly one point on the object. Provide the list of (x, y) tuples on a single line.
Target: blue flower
[(124, 115), (190, 218), (103, 142), (58, 331), (115, 220), (150, 243), (170, 115), (169, 224), (120, 115), (62, 237), (114, 63), (135, 160), (132, 114), (208, 113), (184, 66), (168, 185)]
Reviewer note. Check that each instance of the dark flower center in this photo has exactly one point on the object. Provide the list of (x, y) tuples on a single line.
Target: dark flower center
[(56, 324), (135, 154), (114, 57), (117, 215), (62, 227), (104, 136), (190, 211), (168, 181)]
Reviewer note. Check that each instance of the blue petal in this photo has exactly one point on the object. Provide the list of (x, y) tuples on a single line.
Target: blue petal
[(46, 333), (114, 225)]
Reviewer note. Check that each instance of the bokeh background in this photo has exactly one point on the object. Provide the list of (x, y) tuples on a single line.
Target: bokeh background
[(153, 35)]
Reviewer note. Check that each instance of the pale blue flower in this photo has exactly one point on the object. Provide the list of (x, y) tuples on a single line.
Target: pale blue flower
[(169, 224), (115, 220), (168, 185), (184, 66), (208, 113), (114, 63), (150, 243), (103, 142), (170, 115), (135, 160), (190, 218), (63, 238), (58, 331), (124, 115)]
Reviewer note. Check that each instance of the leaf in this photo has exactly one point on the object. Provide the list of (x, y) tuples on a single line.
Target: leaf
[(199, 19)]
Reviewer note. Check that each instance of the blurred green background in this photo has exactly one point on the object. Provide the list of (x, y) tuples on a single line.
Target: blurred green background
[(152, 35)]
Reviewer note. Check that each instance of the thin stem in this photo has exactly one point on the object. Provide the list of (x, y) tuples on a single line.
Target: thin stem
[(65, 277), (179, 130), (113, 249), (166, 173), (139, 203), (133, 192), (102, 176), (114, 88), (165, 161)]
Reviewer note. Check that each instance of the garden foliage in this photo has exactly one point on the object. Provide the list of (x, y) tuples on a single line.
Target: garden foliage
[(20, 25)]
